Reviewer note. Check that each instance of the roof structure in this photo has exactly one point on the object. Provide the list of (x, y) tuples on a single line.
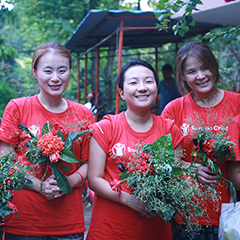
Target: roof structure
[(101, 27)]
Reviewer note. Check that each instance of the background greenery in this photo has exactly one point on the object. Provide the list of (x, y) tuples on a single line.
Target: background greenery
[(31, 23)]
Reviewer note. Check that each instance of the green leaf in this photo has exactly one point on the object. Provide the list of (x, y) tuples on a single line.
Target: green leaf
[(65, 168), (125, 175), (68, 156), (62, 180), (73, 136), (5, 210), (47, 127)]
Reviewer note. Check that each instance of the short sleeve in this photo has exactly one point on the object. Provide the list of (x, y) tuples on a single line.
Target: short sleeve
[(234, 133), (9, 123), (102, 132)]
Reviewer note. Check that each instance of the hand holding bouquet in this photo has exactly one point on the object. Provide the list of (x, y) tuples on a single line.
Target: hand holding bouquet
[(53, 148), (211, 150), (159, 180)]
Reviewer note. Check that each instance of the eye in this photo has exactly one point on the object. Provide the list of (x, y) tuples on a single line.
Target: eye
[(47, 71), (132, 82), (204, 68), (149, 80), (62, 71), (191, 72)]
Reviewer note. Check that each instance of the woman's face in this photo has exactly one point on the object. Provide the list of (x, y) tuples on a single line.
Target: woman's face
[(139, 88), (198, 76), (52, 73)]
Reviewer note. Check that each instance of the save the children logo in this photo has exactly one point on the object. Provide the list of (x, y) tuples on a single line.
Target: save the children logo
[(186, 129), (35, 130), (119, 149)]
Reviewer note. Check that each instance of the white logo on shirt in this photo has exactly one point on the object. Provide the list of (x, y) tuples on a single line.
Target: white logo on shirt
[(119, 149), (185, 129), (35, 130)]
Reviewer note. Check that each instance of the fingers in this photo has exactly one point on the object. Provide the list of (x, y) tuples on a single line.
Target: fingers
[(136, 204), (205, 175), (50, 189)]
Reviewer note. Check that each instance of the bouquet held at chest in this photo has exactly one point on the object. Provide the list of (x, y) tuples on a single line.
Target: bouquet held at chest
[(156, 176), (211, 149), (12, 178), (54, 147)]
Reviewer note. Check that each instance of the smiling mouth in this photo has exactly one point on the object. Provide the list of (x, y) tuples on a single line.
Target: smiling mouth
[(203, 83), (142, 96), (55, 87)]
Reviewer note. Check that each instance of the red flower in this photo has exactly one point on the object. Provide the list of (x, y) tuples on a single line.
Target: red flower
[(55, 129), (11, 171), (8, 181), (12, 206), (51, 146), (229, 0), (141, 163), (116, 186)]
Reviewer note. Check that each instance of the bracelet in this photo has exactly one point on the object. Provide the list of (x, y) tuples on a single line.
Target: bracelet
[(81, 177)]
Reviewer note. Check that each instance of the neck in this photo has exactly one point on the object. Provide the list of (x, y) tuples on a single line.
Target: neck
[(139, 121), (210, 99), (53, 104)]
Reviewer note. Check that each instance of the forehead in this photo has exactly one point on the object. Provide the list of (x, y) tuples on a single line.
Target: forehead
[(192, 62), (53, 59), (137, 72)]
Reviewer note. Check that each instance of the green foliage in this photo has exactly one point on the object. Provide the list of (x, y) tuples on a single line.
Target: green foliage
[(6, 94), (12, 177), (169, 8), (167, 187)]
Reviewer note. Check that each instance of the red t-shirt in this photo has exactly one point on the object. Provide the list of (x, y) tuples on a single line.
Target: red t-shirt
[(234, 133), (37, 215), (112, 220), (187, 116)]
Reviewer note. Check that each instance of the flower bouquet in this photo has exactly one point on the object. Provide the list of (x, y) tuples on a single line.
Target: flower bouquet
[(12, 177), (159, 180), (211, 150), (53, 148)]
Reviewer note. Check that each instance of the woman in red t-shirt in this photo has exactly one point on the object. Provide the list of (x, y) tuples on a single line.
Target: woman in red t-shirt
[(125, 217), (45, 212), (197, 74)]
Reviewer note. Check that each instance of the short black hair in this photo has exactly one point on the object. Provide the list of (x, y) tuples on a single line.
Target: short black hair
[(132, 63), (167, 67)]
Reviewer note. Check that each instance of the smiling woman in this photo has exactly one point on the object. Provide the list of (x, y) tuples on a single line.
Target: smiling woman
[(202, 106), (115, 137), (45, 211)]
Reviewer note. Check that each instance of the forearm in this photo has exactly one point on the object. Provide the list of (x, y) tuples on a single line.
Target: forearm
[(101, 187), (77, 178)]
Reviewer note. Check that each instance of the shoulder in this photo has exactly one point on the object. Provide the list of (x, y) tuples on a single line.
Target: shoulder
[(80, 109), (20, 103), (236, 119), (231, 95), (177, 104)]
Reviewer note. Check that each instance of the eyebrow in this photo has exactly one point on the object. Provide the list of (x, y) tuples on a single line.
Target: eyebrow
[(58, 67)]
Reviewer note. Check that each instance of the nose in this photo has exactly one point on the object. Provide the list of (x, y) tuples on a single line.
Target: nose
[(142, 87), (55, 77), (201, 75)]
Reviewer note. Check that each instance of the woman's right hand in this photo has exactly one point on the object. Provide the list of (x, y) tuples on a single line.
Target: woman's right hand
[(205, 175), (50, 189), (135, 203)]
